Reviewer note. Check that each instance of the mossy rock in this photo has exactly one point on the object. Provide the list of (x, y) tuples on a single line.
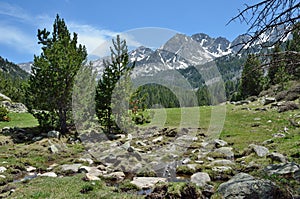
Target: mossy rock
[(176, 190), (146, 172), (185, 170)]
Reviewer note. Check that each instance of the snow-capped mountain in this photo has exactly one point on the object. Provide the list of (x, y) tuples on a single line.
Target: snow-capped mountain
[(216, 46), (179, 52), (26, 66)]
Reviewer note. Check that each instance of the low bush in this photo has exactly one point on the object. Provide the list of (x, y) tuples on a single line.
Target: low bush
[(3, 114)]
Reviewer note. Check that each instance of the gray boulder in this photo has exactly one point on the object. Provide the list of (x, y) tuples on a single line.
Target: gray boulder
[(70, 168), (48, 174), (277, 157), (147, 182), (90, 177), (53, 149), (223, 152), (290, 169), (53, 134), (200, 178), (219, 143), (93, 171), (222, 162), (2, 169), (260, 151), (158, 139), (15, 107), (245, 186), (118, 176), (269, 100)]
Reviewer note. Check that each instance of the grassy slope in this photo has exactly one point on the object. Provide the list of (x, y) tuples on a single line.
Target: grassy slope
[(20, 120)]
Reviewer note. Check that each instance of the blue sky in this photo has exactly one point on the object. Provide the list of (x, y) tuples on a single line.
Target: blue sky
[(97, 21)]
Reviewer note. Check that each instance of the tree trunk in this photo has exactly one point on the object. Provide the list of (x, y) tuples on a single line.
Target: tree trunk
[(63, 121)]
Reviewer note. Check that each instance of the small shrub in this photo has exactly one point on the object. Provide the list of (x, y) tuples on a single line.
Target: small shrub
[(141, 117), (3, 114), (45, 119), (86, 188)]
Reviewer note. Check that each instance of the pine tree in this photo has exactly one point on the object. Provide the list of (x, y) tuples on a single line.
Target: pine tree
[(115, 69), (251, 77), (276, 63), (83, 98), (52, 75)]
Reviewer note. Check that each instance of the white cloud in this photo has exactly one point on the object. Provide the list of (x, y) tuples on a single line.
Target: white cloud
[(90, 36), (96, 40), (13, 11), (14, 37)]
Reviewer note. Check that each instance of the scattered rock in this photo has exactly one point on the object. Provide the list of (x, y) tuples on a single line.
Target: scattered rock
[(70, 168), (90, 177), (158, 139), (222, 162), (171, 133), (289, 168), (222, 169), (223, 152), (30, 168), (53, 149), (38, 138), (269, 141), (147, 182), (200, 178), (52, 166), (278, 135), (14, 107), (260, 151), (94, 171), (243, 102), (245, 186), (53, 134), (219, 143), (130, 149), (88, 160), (277, 157), (268, 100), (48, 174), (186, 161), (140, 143), (2, 169), (287, 106), (118, 176)]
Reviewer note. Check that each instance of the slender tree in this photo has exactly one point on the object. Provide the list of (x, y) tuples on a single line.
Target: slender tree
[(53, 73), (275, 64), (266, 16), (114, 69), (83, 97)]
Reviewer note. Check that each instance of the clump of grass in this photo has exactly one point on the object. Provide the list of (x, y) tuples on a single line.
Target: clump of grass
[(127, 186), (185, 170)]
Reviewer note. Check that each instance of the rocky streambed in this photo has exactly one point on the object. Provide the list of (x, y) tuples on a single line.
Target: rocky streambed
[(152, 160)]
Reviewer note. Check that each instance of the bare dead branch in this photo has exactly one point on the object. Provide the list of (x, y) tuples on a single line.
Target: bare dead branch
[(266, 16)]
